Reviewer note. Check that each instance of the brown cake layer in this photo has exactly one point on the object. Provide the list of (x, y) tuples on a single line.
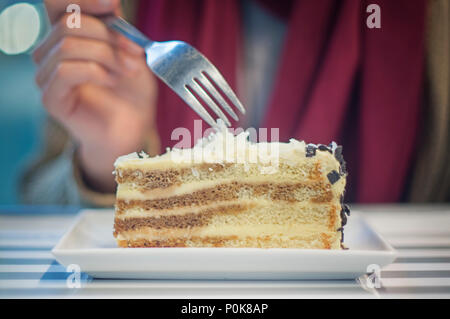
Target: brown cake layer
[(164, 178), (323, 242), (151, 179), (175, 242), (178, 221), (230, 191), (202, 218)]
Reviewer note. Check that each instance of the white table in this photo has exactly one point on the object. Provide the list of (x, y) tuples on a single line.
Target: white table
[(420, 233)]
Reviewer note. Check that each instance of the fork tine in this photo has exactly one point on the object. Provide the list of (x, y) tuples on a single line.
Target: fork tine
[(212, 90), (215, 75), (192, 101), (201, 92)]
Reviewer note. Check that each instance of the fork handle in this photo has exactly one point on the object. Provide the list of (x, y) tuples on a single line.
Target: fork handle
[(120, 25)]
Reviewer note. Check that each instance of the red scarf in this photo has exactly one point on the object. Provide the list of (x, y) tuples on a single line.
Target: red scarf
[(338, 80)]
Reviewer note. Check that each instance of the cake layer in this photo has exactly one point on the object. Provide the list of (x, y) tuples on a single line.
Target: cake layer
[(131, 191), (237, 213), (236, 236), (318, 241), (140, 212), (317, 192), (148, 178)]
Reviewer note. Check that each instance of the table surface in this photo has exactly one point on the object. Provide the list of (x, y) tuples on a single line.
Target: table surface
[(420, 233)]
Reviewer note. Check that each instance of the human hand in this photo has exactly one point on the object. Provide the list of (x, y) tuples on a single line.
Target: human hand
[(96, 83)]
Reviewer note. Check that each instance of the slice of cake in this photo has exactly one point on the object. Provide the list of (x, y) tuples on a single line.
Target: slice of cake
[(229, 192)]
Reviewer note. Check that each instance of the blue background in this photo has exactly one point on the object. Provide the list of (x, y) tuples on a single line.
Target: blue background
[(21, 119), (21, 115)]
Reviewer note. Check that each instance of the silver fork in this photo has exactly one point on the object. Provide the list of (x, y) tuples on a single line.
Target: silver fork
[(185, 70)]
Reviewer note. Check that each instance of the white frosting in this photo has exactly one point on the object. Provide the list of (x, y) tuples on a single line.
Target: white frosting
[(131, 156), (222, 146)]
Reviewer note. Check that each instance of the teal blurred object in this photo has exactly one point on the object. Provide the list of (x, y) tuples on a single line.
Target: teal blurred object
[(21, 113), (21, 121)]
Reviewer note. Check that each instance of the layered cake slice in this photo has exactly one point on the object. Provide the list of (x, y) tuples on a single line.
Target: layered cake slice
[(229, 192)]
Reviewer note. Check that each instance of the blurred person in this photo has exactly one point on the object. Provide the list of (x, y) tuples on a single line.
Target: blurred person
[(313, 69)]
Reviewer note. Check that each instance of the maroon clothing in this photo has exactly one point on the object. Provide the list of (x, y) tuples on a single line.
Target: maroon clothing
[(337, 80)]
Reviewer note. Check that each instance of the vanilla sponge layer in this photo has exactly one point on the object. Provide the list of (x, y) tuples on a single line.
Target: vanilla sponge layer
[(297, 236), (250, 212)]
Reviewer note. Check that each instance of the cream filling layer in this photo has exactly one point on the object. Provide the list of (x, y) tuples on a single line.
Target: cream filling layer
[(132, 191), (138, 212)]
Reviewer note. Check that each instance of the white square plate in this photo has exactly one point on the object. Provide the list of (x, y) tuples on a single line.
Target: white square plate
[(89, 243)]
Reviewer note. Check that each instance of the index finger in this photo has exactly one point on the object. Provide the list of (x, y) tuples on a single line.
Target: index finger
[(56, 8)]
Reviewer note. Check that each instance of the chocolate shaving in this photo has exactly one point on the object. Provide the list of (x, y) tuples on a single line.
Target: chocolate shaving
[(340, 159), (139, 155), (344, 218), (325, 148), (338, 154), (333, 176), (343, 169), (346, 209), (310, 150)]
